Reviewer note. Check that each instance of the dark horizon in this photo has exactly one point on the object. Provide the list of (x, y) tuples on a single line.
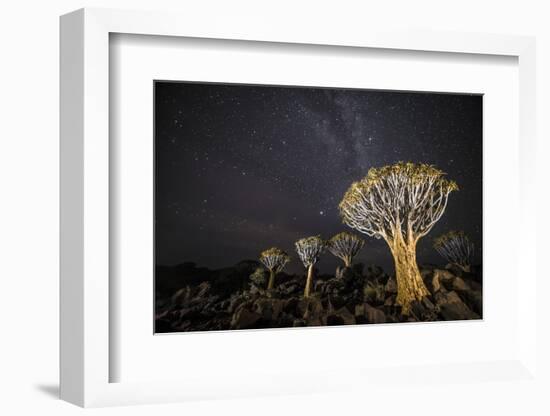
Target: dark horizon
[(241, 168)]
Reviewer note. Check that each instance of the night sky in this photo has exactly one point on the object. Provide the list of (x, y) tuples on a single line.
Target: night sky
[(243, 168)]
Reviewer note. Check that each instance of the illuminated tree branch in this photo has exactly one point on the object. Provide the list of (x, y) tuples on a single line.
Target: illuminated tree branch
[(399, 203), (345, 246), (309, 249), (274, 260), (455, 247)]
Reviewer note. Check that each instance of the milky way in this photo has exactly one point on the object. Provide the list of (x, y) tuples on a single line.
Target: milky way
[(243, 168)]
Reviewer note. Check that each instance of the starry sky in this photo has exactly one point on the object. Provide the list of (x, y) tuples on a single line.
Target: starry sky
[(241, 168)]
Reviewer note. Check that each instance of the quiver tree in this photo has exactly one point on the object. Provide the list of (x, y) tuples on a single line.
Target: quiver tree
[(274, 260), (345, 246), (456, 248), (399, 203), (309, 249)]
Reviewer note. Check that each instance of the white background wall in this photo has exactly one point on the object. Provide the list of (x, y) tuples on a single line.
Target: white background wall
[(29, 186)]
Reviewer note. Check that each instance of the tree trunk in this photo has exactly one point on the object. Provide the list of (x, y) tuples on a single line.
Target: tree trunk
[(347, 261), (410, 286), (307, 290), (271, 280)]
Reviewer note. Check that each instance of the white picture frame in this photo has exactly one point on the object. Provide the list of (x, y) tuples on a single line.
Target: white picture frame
[(85, 221)]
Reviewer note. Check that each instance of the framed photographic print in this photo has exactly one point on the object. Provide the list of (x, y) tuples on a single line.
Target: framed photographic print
[(271, 212)]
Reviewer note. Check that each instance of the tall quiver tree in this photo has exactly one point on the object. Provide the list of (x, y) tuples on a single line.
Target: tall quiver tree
[(274, 260), (309, 249), (456, 248), (345, 246), (399, 203)]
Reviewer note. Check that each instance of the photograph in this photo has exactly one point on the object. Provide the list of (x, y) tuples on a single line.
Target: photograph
[(292, 206)]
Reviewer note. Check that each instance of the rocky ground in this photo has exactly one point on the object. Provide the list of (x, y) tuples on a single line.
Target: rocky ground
[(197, 299)]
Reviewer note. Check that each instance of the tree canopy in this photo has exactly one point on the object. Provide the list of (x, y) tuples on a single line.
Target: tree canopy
[(309, 249), (274, 259), (455, 247), (345, 246), (405, 198)]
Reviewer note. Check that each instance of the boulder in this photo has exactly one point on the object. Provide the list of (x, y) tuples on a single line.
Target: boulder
[(341, 316), (285, 320), (457, 270), (374, 315), (301, 307), (474, 300), (442, 280), (370, 314), (391, 285), (290, 305), (293, 288), (190, 313), (244, 319), (269, 309), (452, 308), (424, 311), (315, 321), (184, 326), (427, 303), (310, 310), (255, 290), (234, 302), (289, 288), (202, 290), (374, 293), (474, 285), (390, 300), (391, 319), (181, 297), (337, 301), (314, 308), (426, 274), (460, 285)]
